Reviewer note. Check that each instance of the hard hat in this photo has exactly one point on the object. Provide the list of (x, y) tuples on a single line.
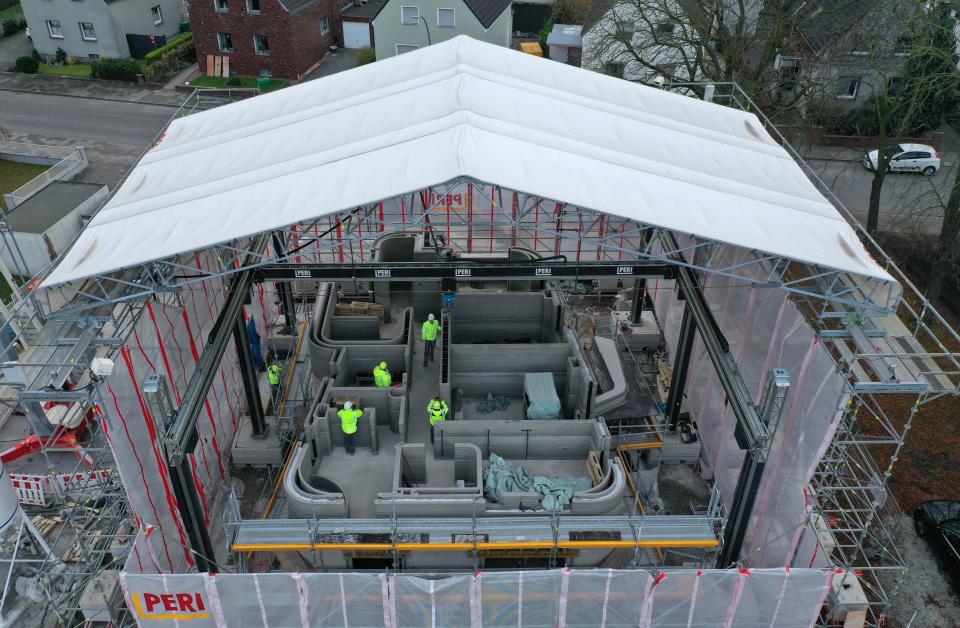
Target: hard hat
[(347, 405), (429, 317), (383, 365)]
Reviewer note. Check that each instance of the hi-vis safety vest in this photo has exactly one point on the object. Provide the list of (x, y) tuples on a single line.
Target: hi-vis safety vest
[(430, 329), (382, 377), (273, 374), (348, 420), (437, 411)]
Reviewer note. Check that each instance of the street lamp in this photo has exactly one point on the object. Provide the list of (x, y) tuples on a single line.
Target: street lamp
[(429, 43)]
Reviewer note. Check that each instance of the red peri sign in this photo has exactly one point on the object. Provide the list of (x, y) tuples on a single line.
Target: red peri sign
[(170, 606), (440, 202)]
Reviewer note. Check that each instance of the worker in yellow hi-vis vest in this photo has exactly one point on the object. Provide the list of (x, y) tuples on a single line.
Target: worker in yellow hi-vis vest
[(436, 412), (431, 327), (273, 376), (348, 423), (381, 376)]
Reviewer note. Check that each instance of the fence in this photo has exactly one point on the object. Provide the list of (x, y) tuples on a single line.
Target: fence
[(65, 163), (39, 490)]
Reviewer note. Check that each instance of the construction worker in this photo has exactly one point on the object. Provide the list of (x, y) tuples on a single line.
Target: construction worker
[(436, 412), (381, 376), (431, 327), (273, 376), (348, 423)]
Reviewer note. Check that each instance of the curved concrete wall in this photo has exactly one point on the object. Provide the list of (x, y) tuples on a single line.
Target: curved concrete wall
[(304, 499)]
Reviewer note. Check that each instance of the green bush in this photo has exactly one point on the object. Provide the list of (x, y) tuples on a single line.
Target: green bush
[(182, 42), (27, 65), (11, 26), (366, 55), (35, 55), (60, 57), (235, 81), (115, 69)]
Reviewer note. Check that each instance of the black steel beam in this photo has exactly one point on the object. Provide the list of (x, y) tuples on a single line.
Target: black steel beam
[(191, 511), (466, 271), (283, 288), (738, 516), (681, 366), (248, 375)]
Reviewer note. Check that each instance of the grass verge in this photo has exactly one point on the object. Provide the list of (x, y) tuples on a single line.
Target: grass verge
[(14, 174), (247, 82)]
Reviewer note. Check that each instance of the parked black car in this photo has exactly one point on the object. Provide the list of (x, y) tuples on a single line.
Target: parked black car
[(939, 523)]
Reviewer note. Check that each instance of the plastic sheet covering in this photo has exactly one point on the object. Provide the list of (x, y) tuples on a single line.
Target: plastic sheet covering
[(541, 396), (765, 330), (560, 597), (505, 477), (168, 339)]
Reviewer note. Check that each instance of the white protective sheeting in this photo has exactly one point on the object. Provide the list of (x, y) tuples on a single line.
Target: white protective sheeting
[(459, 108), (559, 598)]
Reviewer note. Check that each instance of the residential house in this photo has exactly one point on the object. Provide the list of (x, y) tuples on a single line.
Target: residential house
[(275, 38), (637, 40), (563, 44), (90, 29), (405, 25)]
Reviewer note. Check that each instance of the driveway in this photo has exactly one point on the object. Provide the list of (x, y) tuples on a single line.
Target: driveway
[(16, 45), (343, 59)]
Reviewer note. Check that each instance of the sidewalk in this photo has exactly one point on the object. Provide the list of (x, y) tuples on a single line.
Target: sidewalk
[(831, 153), (88, 88)]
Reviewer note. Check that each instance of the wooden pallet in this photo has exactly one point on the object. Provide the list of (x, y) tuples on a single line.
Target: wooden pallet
[(594, 470)]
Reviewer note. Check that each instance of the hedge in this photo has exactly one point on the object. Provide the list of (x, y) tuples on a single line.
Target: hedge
[(115, 69), (27, 65), (153, 55)]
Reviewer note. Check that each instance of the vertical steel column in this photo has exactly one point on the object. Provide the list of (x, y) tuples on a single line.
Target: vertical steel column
[(681, 364), (284, 288), (248, 375), (636, 307), (191, 511)]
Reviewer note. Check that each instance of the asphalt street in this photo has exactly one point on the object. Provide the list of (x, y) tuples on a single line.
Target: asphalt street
[(82, 118)]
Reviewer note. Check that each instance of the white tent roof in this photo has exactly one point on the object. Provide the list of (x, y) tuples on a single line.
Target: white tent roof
[(465, 108)]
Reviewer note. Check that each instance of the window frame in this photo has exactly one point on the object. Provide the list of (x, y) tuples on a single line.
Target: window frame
[(217, 6), (855, 82), (898, 51), (158, 18), (409, 6), (83, 33), (220, 47), (453, 11), (251, 10), (256, 45), (59, 28), (616, 69), (663, 34), (411, 46), (324, 25)]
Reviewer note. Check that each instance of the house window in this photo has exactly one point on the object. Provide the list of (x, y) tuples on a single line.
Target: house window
[(405, 48), (253, 7), (54, 28), (446, 18), (260, 45), (625, 30), (93, 57), (860, 47), (902, 48), (324, 25), (847, 87), (266, 73), (665, 30), (409, 15), (87, 32), (894, 85), (224, 42), (614, 68), (221, 6), (789, 69), (157, 15)]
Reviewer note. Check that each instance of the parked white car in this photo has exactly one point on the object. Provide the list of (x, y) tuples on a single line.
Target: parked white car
[(906, 158)]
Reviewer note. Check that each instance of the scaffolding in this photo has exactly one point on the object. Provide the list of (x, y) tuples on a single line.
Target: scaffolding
[(887, 345)]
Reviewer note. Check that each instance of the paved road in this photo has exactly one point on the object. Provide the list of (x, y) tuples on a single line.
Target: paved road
[(81, 118), (908, 202)]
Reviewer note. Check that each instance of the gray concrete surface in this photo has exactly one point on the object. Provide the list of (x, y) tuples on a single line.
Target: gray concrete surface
[(81, 118), (16, 45), (87, 88), (344, 59)]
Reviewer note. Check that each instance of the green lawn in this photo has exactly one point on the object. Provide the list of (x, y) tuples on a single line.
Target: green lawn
[(15, 12), (247, 82), (80, 69), (14, 174)]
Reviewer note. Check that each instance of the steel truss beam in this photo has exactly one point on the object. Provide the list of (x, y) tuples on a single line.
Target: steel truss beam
[(545, 226)]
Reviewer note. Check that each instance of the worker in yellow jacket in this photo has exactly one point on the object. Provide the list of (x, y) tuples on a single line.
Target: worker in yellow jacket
[(436, 413), (381, 376), (431, 327), (348, 423)]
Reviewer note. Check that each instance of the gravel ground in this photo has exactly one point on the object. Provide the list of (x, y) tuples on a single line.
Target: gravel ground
[(926, 590)]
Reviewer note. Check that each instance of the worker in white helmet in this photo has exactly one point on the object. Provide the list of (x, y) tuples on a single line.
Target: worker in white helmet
[(431, 327), (348, 423)]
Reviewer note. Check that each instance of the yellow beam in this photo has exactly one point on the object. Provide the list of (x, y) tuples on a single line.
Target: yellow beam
[(452, 547)]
